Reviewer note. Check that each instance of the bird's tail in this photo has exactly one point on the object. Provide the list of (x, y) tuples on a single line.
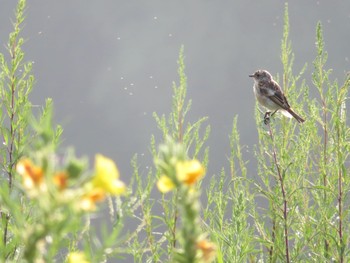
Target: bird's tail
[(290, 113)]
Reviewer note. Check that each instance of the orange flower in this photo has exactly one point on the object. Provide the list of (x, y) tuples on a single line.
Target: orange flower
[(88, 202), (189, 172), (207, 250), (60, 180), (32, 175)]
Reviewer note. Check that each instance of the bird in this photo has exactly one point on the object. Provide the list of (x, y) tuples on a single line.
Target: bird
[(270, 95)]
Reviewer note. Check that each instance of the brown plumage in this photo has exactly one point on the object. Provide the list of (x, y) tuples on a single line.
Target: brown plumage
[(270, 95)]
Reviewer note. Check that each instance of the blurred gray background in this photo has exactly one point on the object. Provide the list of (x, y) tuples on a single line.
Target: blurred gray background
[(108, 65)]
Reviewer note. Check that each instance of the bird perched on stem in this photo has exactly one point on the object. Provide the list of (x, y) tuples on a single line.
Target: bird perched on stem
[(270, 95)]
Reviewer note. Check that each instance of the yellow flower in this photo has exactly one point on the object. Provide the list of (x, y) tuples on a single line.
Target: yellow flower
[(207, 251), (77, 257), (105, 181), (189, 172), (107, 176), (165, 184), (32, 175)]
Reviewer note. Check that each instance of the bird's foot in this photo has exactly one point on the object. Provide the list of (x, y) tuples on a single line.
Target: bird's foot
[(267, 117)]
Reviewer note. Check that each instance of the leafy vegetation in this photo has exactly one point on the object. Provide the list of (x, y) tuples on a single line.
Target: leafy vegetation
[(294, 208)]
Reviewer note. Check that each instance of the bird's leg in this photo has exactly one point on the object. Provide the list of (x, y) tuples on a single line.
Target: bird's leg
[(267, 117), (273, 113)]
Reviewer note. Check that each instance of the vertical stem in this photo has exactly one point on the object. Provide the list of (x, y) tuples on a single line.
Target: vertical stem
[(180, 123), (180, 140), (12, 133), (272, 238), (340, 212), (12, 138), (284, 196), (340, 196), (325, 160), (320, 77), (176, 212), (12, 116)]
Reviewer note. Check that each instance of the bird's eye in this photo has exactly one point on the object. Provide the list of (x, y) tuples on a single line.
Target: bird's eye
[(257, 74)]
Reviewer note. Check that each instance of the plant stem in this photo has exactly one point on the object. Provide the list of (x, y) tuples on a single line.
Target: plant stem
[(284, 196), (176, 212), (12, 117), (340, 190), (10, 148), (325, 160), (273, 237), (340, 214)]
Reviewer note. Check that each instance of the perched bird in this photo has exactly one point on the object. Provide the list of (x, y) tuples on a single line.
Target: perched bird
[(270, 95)]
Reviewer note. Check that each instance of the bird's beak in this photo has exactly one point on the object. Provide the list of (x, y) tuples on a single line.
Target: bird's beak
[(252, 75)]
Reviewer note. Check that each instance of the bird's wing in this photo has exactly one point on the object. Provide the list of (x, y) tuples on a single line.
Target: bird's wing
[(274, 92)]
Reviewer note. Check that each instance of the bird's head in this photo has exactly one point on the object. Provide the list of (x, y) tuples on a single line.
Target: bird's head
[(261, 76)]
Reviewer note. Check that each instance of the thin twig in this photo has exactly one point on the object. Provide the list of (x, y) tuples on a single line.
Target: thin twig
[(284, 196), (272, 238), (340, 214), (12, 139), (340, 195), (325, 160), (175, 219)]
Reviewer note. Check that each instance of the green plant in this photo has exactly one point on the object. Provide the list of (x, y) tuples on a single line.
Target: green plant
[(44, 197), (293, 208), (16, 83), (299, 183)]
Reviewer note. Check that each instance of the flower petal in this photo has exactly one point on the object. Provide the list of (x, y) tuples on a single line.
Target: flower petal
[(76, 257), (89, 200), (207, 249), (189, 172), (32, 175), (106, 176), (117, 187), (60, 180), (165, 184)]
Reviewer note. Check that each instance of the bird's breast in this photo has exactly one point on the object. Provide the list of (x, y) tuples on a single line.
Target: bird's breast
[(263, 99)]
